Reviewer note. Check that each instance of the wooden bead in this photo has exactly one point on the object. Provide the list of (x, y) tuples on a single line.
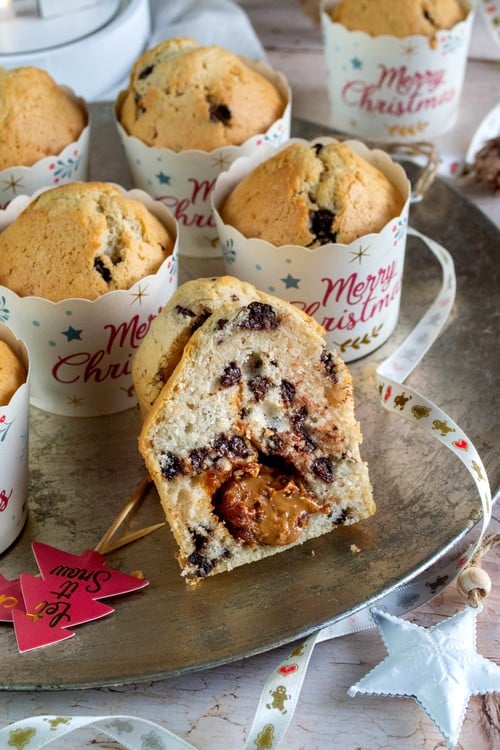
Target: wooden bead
[(474, 578)]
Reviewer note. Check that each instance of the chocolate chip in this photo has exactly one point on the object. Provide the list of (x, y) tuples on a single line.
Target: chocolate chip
[(202, 317), (170, 465), (221, 323), (237, 446), (323, 469), (341, 518), (145, 72), (321, 225), (275, 444), (230, 446), (185, 311), (298, 418), (102, 270), (231, 375), (328, 361), (198, 457), (200, 538), (203, 566), (259, 387), (260, 317), (287, 392), (318, 148), (220, 113)]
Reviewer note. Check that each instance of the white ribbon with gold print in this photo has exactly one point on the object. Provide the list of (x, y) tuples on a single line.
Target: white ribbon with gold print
[(282, 690)]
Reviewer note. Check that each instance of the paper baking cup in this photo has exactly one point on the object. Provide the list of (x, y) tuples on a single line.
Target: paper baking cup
[(352, 290), (395, 89), (70, 165), (184, 181), (81, 350), (14, 418)]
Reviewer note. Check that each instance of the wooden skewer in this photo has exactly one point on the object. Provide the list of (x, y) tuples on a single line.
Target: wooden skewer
[(127, 509), (129, 538)]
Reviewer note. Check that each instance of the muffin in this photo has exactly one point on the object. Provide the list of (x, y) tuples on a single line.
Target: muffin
[(84, 269), (253, 444), (188, 113), (12, 373), (38, 118), (185, 96), (395, 68), (398, 18), (311, 195), (322, 225), (81, 240)]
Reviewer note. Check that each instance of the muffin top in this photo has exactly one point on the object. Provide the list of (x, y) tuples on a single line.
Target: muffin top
[(310, 195), (398, 18), (185, 96), (38, 118), (12, 373), (81, 239)]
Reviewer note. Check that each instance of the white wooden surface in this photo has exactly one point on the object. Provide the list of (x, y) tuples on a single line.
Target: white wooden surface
[(214, 710)]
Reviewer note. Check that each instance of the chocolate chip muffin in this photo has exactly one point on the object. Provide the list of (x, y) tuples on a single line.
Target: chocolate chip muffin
[(38, 117), (187, 309), (12, 373), (398, 18), (81, 239), (252, 443), (310, 195), (182, 95)]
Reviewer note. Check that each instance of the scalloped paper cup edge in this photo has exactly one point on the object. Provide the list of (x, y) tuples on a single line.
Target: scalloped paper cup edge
[(352, 290)]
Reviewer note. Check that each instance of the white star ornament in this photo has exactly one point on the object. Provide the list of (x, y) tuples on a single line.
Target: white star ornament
[(439, 667)]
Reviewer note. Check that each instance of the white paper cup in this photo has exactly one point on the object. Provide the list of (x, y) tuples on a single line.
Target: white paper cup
[(71, 165), (81, 350), (395, 89), (352, 290), (184, 180), (14, 419)]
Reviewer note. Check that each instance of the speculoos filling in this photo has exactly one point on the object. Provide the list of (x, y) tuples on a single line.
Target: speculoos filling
[(261, 505)]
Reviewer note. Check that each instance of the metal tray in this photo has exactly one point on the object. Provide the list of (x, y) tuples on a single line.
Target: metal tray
[(83, 470)]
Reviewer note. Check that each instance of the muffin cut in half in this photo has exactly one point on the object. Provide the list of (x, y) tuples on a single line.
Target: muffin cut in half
[(186, 310), (252, 443)]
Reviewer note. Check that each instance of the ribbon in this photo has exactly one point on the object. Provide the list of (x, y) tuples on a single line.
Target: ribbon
[(281, 691)]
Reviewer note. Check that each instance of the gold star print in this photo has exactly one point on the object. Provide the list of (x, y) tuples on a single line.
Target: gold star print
[(139, 295), (13, 183), (221, 161), (75, 401), (361, 253), (409, 50)]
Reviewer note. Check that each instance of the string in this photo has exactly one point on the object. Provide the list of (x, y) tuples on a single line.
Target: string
[(282, 690)]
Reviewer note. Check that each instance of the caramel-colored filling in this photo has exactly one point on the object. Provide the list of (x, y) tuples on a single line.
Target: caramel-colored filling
[(265, 506)]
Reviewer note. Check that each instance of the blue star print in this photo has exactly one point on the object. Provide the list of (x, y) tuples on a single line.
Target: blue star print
[(72, 333), (356, 63), (290, 282), (163, 179)]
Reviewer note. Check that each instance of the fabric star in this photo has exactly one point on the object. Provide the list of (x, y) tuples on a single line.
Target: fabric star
[(438, 667), (72, 333)]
